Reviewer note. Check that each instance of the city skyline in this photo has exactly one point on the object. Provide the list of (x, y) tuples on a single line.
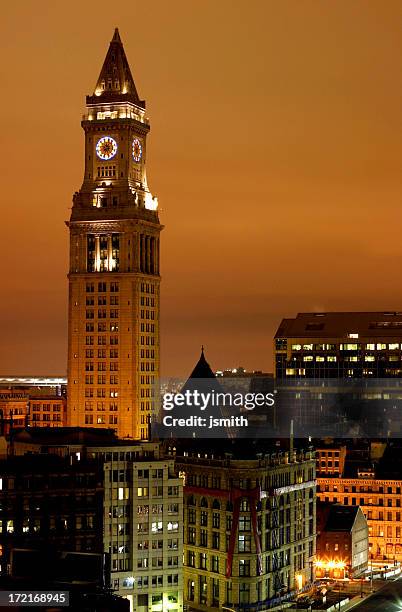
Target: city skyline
[(308, 117)]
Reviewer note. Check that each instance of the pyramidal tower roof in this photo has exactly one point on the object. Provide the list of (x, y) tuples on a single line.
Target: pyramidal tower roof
[(115, 82), (202, 368)]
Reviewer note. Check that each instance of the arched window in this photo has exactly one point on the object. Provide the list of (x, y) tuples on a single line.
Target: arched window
[(204, 503), (216, 505)]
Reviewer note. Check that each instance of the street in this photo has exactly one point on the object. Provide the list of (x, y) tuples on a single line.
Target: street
[(389, 599)]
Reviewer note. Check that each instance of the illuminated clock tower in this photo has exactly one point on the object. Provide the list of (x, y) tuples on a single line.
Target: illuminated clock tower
[(113, 337)]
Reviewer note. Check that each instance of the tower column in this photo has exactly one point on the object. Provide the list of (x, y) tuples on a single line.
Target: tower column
[(97, 253), (109, 253), (152, 270), (142, 252), (148, 254), (136, 252)]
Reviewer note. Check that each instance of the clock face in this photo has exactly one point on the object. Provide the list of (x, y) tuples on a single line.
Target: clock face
[(137, 150), (106, 147)]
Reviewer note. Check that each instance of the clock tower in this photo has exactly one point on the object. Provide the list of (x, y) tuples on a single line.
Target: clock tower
[(113, 334)]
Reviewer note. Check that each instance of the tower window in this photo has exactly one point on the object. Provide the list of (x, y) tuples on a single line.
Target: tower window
[(115, 261), (91, 251), (103, 252), (106, 171)]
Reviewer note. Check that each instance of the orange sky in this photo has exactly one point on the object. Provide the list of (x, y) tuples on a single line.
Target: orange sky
[(275, 152)]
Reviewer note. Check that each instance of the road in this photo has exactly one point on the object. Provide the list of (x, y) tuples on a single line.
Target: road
[(388, 599)]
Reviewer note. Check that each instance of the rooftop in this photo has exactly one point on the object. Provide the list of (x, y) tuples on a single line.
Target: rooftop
[(342, 325), (339, 518)]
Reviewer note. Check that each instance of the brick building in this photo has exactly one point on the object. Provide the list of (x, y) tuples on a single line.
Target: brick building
[(342, 541), (375, 486), (47, 411)]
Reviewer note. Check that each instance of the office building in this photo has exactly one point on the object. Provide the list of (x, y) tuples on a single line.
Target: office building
[(81, 490), (249, 523), (339, 373), (339, 345)]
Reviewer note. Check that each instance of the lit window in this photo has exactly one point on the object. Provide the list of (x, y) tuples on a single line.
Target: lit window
[(370, 347), (331, 358), (369, 358), (394, 346), (296, 347), (308, 358), (173, 526), (381, 347), (307, 347), (353, 335)]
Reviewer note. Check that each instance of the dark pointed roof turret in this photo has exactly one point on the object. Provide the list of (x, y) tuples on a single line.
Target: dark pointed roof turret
[(202, 368)]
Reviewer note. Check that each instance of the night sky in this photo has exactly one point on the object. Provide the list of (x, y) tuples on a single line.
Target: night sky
[(275, 152)]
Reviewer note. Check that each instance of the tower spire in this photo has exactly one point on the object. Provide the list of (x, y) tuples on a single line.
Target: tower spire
[(116, 36), (115, 82)]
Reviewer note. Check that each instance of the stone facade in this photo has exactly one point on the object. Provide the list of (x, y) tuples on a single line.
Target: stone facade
[(249, 528), (143, 519), (113, 340)]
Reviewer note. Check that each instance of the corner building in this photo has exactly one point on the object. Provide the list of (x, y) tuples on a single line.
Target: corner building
[(249, 526), (113, 337)]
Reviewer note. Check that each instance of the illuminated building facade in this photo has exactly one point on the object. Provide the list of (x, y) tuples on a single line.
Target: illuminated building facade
[(377, 489), (83, 490), (47, 411), (339, 345), (340, 373), (143, 520), (113, 338), (32, 401), (14, 408), (330, 460), (249, 526), (342, 541)]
